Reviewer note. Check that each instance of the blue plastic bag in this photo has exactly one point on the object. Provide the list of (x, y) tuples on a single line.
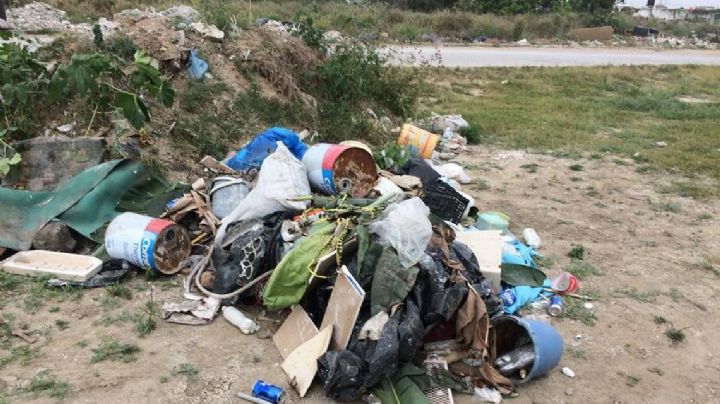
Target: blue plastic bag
[(515, 252), (518, 296), (253, 154), (196, 67)]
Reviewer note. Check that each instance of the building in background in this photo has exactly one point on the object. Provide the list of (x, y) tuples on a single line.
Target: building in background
[(698, 10)]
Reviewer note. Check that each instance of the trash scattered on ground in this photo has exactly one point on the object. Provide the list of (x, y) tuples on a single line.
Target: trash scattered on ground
[(568, 372), (385, 278), (63, 266)]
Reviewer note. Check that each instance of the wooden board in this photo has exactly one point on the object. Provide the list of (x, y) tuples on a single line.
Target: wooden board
[(343, 309)]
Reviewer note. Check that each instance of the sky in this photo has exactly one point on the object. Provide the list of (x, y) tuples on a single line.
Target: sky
[(676, 3)]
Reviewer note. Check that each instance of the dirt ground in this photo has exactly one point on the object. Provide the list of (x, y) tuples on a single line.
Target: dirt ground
[(650, 249)]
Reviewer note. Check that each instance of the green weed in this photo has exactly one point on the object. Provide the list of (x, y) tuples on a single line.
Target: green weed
[(46, 385), (83, 343), (578, 354), (577, 252), (110, 349), (62, 325), (675, 335), (145, 321), (188, 369), (577, 167), (472, 133), (649, 296), (691, 190), (673, 207), (582, 269), (575, 310), (530, 168), (660, 320), (118, 290)]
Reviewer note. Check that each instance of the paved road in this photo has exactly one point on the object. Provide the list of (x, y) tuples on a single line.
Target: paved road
[(469, 56)]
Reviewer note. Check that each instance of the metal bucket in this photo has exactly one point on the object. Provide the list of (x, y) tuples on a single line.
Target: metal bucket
[(422, 143), (338, 169), (510, 332), (150, 243)]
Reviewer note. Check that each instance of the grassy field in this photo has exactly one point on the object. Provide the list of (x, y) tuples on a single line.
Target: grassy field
[(371, 21), (620, 110)]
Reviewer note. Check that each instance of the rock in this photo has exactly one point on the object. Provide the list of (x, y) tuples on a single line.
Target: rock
[(67, 128), (332, 36), (523, 42), (47, 161), (208, 31), (40, 371), (588, 306), (569, 392), (660, 144), (54, 236), (5, 26), (568, 372), (184, 14)]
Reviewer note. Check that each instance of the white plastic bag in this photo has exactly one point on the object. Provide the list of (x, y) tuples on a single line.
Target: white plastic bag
[(487, 395), (282, 178), (406, 227), (454, 172)]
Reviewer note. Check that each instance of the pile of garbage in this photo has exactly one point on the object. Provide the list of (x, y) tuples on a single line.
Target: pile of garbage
[(395, 285)]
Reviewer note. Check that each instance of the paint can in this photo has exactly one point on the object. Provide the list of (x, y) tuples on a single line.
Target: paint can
[(339, 169), (148, 242), (421, 142)]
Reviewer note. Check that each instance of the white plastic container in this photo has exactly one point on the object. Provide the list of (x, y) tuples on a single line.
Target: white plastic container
[(531, 238), (63, 266), (239, 320)]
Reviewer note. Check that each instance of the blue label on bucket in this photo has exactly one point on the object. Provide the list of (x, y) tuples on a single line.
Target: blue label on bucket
[(327, 177), (147, 249)]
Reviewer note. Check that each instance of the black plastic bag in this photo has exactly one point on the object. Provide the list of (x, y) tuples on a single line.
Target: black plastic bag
[(381, 356), (471, 268), (342, 374), (419, 168), (410, 332)]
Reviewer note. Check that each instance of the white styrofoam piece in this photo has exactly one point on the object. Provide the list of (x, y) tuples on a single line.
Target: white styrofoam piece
[(63, 266), (487, 246)]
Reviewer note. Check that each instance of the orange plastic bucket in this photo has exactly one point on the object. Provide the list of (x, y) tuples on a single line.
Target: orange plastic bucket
[(422, 143)]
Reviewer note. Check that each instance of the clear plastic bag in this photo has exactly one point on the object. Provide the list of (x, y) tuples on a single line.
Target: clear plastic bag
[(406, 227)]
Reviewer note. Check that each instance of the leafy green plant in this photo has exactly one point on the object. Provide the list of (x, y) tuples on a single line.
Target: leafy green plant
[(22, 78), (312, 36), (115, 351), (96, 78), (393, 156)]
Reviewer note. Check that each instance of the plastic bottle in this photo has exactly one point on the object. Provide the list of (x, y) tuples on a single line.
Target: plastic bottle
[(531, 238), (239, 320), (519, 358)]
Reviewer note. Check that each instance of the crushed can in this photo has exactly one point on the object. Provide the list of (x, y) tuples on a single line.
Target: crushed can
[(268, 392), (556, 306)]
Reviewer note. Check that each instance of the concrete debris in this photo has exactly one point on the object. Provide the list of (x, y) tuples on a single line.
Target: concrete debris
[(54, 236), (208, 31), (523, 42), (38, 16), (47, 161), (591, 34), (272, 25)]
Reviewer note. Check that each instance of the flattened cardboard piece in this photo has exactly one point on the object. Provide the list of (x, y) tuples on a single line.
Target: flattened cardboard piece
[(487, 245), (327, 261), (301, 364), (297, 329), (343, 309)]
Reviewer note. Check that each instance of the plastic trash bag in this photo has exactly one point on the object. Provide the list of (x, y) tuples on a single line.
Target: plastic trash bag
[(342, 374), (196, 67), (253, 153), (382, 355), (390, 284), (410, 332), (405, 226), (515, 252), (454, 172), (282, 178)]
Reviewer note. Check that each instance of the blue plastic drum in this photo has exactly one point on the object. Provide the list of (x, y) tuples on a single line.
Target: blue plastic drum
[(511, 332)]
